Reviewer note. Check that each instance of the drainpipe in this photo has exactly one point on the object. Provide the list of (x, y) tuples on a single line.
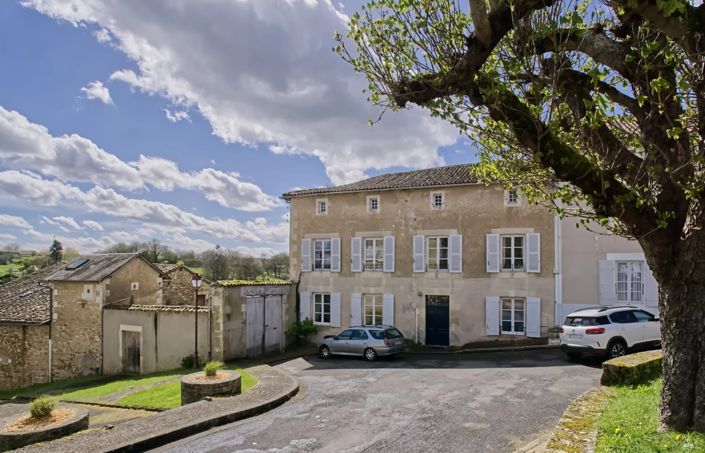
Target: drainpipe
[(51, 320), (210, 329), (557, 271)]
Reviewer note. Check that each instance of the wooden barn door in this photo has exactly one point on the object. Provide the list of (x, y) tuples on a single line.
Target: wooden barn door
[(254, 325), (273, 324), (131, 352)]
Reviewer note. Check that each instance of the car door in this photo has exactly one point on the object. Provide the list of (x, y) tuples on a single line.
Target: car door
[(627, 327), (358, 342), (650, 326), (341, 343)]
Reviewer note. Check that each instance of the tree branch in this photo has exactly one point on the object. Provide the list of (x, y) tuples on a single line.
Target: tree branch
[(478, 12)]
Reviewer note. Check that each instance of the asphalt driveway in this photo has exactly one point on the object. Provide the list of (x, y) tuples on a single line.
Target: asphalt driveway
[(464, 403)]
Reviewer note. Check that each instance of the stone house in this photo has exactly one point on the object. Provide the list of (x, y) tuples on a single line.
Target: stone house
[(180, 291), (446, 259)]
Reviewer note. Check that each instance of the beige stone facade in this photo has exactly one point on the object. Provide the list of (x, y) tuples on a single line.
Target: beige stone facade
[(469, 216), (179, 289), (24, 355)]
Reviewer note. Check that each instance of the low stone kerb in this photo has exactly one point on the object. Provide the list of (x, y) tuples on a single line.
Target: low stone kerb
[(10, 440), (632, 369), (196, 386)]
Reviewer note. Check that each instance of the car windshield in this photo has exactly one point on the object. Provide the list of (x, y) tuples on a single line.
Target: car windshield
[(377, 334), (393, 333), (577, 321)]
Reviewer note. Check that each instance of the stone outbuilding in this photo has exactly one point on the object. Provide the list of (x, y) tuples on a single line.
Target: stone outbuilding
[(180, 291)]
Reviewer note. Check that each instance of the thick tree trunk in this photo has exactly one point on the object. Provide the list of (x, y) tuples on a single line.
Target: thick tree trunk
[(682, 306)]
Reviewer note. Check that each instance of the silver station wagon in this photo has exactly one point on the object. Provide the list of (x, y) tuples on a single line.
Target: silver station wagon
[(367, 341)]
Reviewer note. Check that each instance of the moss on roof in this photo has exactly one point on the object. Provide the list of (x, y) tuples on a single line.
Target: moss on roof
[(254, 282)]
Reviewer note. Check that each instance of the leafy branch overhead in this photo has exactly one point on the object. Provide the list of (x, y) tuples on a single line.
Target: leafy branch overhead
[(606, 96)]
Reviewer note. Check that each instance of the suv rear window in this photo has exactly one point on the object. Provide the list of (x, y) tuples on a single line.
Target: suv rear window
[(393, 333), (377, 334), (577, 321)]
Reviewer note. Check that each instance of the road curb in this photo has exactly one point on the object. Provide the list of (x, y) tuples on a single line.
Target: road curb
[(487, 350)]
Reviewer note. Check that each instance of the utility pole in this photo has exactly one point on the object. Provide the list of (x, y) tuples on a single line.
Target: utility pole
[(196, 283)]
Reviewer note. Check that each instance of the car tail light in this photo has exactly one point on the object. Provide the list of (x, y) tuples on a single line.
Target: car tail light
[(595, 331), (562, 330), (386, 340)]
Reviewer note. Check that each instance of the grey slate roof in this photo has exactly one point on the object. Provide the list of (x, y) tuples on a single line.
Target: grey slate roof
[(23, 301), (451, 175), (98, 267)]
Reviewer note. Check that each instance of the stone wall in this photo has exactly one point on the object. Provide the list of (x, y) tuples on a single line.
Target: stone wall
[(178, 291), (119, 287), (24, 355)]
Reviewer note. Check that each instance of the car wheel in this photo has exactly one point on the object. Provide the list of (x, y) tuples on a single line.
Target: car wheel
[(370, 354), (324, 352), (616, 348), (574, 355)]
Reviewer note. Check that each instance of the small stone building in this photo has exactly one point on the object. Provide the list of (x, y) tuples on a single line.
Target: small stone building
[(180, 291)]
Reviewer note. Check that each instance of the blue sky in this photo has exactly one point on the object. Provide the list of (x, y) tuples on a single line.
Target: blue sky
[(126, 120)]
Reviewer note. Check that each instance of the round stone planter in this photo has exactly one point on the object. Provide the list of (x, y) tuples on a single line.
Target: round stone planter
[(196, 386), (17, 439)]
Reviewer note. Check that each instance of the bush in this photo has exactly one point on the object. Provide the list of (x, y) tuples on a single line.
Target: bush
[(187, 362), (301, 331), (42, 407), (212, 367)]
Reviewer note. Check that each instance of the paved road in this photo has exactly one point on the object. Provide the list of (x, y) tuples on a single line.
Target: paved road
[(459, 403)]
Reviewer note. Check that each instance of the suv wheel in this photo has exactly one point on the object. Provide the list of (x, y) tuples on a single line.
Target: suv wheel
[(370, 354), (324, 352), (616, 348)]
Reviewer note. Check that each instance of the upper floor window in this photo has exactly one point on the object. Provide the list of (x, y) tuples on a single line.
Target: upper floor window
[(373, 309), (630, 281), (511, 197), (321, 308), (437, 253), (374, 257), (373, 204), (321, 207), (134, 286), (513, 253), (438, 200), (321, 254)]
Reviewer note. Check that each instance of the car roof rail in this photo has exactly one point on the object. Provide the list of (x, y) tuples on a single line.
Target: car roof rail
[(588, 308), (616, 307)]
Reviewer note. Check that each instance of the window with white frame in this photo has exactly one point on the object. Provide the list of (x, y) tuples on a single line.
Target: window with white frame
[(512, 253), (513, 316), (373, 204), (321, 308), (321, 207), (511, 197), (374, 254), (373, 309), (438, 200), (437, 253), (321, 254), (630, 281)]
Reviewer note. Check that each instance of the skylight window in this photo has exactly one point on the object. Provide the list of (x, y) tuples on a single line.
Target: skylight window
[(75, 264)]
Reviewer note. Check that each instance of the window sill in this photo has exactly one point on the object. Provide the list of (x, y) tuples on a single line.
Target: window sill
[(513, 334), (324, 324)]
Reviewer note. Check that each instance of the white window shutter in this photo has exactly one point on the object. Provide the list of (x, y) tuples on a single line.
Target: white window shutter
[(335, 309), (491, 315), (456, 253), (306, 255), (492, 258), (335, 254), (388, 265), (533, 317), (533, 255), (388, 309), (650, 287), (419, 254), (304, 306), (356, 254), (608, 289), (356, 309)]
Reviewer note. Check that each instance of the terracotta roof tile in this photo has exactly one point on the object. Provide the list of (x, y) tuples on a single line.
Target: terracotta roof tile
[(23, 301), (254, 283), (451, 175), (160, 308)]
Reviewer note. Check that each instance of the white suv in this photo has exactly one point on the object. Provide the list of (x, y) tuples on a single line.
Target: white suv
[(609, 331)]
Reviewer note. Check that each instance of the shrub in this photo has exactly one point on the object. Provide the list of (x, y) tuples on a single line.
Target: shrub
[(42, 407), (212, 367), (187, 362), (301, 331)]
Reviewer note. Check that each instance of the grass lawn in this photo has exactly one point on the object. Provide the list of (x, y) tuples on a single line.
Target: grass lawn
[(42, 389), (630, 420), (100, 392), (168, 395)]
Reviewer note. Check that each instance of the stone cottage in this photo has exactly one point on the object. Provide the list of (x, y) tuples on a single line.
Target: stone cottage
[(180, 291)]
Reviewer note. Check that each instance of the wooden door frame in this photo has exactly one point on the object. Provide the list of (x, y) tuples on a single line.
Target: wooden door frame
[(131, 328)]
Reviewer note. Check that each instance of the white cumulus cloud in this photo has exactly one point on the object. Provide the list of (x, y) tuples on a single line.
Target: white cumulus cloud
[(14, 221), (93, 225), (97, 91)]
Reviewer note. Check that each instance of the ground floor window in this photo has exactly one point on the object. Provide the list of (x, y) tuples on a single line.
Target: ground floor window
[(321, 308), (630, 283), (513, 318), (373, 309)]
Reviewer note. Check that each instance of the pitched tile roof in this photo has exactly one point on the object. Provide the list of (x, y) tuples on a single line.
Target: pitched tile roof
[(451, 175), (97, 267), (254, 283), (168, 268), (23, 301), (160, 308)]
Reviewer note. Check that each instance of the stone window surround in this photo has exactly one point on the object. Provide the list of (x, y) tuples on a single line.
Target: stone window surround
[(434, 205), (322, 202), (378, 208)]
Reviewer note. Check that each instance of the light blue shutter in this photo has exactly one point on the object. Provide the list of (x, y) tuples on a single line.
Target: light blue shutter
[(388, 309), (491, 315), (356, 254), (335, 255), (335, 309), (306, 255), (388, 265), (419, 255), (607, 282), (650, 287), (456, 253), (356, 309), (533, 317), (492, 260), (533, 256), (304, 306)]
